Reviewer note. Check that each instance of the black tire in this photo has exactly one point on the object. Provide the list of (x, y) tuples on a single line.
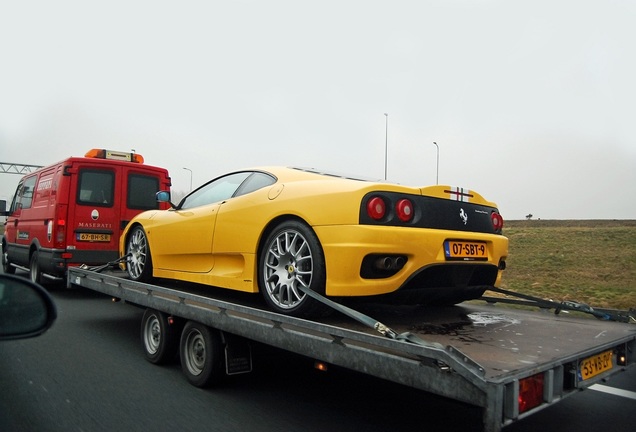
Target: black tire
[(35, 273), (7, 268), (139, 261), (202, 355), (159, 338), (292, 256)]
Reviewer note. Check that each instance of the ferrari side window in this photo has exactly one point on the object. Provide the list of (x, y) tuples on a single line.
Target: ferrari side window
[(255, 182), (215, 191)]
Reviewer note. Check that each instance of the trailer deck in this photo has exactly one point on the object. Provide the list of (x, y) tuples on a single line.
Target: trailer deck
[(501, 340), (487, 355)]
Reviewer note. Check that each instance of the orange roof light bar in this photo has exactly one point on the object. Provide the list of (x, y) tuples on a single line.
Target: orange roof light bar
[(114, 155)]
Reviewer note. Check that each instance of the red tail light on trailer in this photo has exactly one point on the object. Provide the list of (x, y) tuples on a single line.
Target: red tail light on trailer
[(530, 392)]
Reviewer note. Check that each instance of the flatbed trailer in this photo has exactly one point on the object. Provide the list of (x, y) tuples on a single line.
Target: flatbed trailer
[(509, 362)]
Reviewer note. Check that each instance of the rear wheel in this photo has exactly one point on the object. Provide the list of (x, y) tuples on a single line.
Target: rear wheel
[(292, 257), (35, 273), (201, 352), (159, 339), (7, 268), (139, 262)]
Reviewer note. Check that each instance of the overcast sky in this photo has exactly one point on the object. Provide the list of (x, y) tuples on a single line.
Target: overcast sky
[(532, 103)]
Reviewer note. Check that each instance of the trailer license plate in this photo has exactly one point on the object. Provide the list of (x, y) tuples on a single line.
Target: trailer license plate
[(592, 366), (465, 250), (91, 237)]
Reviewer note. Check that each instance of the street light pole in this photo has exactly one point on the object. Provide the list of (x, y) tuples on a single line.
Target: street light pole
[(386, 143), (437, 175), (188, 169)]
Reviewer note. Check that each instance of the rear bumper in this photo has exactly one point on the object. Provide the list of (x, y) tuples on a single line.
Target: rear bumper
[(345, 248), (53, 263)]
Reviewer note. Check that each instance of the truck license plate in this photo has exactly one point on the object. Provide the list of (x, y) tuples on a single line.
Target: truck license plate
[(592, 366), (91, 237), (465, 250)]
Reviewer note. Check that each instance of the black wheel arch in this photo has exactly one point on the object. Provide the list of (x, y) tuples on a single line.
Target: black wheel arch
[(33, 248), (130, 230)]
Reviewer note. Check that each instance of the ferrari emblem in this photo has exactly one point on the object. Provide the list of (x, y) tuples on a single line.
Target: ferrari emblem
[(464, 216)]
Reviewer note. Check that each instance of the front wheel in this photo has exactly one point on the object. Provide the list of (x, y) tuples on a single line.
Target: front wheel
[(139, 262), (201, 352), (159, 338), (292, 257), (7, 268)]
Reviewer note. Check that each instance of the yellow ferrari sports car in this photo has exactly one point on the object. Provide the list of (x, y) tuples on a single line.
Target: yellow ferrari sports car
[(273, 229)]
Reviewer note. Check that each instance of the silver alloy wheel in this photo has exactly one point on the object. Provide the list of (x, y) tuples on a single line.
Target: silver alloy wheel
[(288, 263), (195, 352), (138, 250)]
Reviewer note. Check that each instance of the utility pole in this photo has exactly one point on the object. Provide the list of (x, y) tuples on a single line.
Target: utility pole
[(437, 172), (188, 169), (386, 143)]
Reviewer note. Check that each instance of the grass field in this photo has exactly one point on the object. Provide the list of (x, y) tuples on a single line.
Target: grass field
[(590, 261)]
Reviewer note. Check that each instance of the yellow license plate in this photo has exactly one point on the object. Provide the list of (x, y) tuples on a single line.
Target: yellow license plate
[(90, 237), (465, 250), (592, 366)]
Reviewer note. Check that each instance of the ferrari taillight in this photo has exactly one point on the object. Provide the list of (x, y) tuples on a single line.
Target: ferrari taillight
[(404, 209), (497, 221), (376, 208)]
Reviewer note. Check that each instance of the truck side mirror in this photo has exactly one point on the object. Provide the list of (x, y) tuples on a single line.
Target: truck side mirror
[(3, 208)]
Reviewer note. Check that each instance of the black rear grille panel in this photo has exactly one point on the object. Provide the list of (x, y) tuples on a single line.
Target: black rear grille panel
[(444, 285), (433, 213)]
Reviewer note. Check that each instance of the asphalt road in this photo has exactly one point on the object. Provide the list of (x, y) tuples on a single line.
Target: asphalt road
[(88, 373)]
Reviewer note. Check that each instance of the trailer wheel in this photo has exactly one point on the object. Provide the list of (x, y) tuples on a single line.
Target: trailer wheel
[(159, 339), (292, 256), (139, 262), (201, 352), (35, 273)]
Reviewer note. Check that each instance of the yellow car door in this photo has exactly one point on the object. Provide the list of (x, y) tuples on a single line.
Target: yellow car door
[(183, 239)]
